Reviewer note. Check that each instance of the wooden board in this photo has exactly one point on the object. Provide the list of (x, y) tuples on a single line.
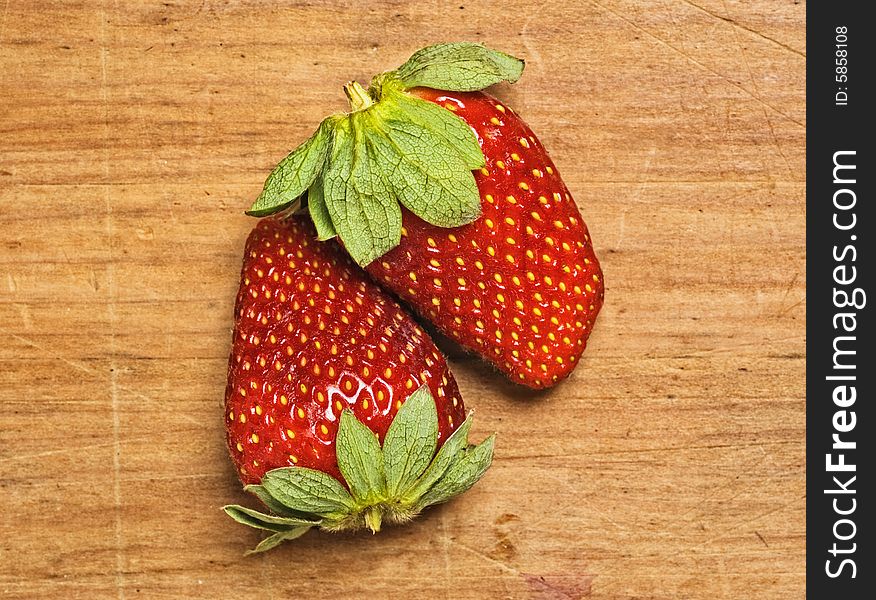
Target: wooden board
[(132, 136)]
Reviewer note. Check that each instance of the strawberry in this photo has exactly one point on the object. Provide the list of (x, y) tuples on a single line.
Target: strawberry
[(449, 200), (520, 285), (336, 400)]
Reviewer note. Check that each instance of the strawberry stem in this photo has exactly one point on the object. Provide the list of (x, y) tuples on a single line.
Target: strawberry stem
[(373, 518), (358, 96)]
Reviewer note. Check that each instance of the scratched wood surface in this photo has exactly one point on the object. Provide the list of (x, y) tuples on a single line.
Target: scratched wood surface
[(132, 135)]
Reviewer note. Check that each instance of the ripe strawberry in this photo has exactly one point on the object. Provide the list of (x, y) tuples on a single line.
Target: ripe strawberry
[(489, 244), (323, 367), (521, 285)]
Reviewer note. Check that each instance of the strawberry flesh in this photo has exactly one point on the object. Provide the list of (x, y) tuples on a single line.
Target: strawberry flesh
[(312, 337)]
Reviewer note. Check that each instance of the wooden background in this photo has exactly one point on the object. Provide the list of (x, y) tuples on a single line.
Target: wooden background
[(132, 136)]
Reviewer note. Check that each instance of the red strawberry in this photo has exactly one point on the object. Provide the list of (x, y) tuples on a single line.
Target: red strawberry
[(521, 285), (489, 244), (316, 345)]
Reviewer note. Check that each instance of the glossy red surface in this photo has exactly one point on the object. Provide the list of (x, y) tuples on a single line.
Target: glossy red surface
[(521, 286), (312, 337)]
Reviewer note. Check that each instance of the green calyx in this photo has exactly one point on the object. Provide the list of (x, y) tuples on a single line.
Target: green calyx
[(393, 149), (392, 483)]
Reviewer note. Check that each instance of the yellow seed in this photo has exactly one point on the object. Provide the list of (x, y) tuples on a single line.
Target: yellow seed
[(495, 121), (523, 185), (254, 438), (515, 156)]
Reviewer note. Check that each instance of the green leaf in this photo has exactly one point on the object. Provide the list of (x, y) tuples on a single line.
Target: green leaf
[(325, 230), (460, 67), (262, 494), (410, 441), (453, 447), (259, 520), (308, 490), (272, 541), (363, 210), (462, 474), (455, 132), (427, 176), (360, 460), (294, 174)]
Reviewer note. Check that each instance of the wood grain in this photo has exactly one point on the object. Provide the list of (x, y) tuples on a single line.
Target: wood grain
[(132, 135)]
